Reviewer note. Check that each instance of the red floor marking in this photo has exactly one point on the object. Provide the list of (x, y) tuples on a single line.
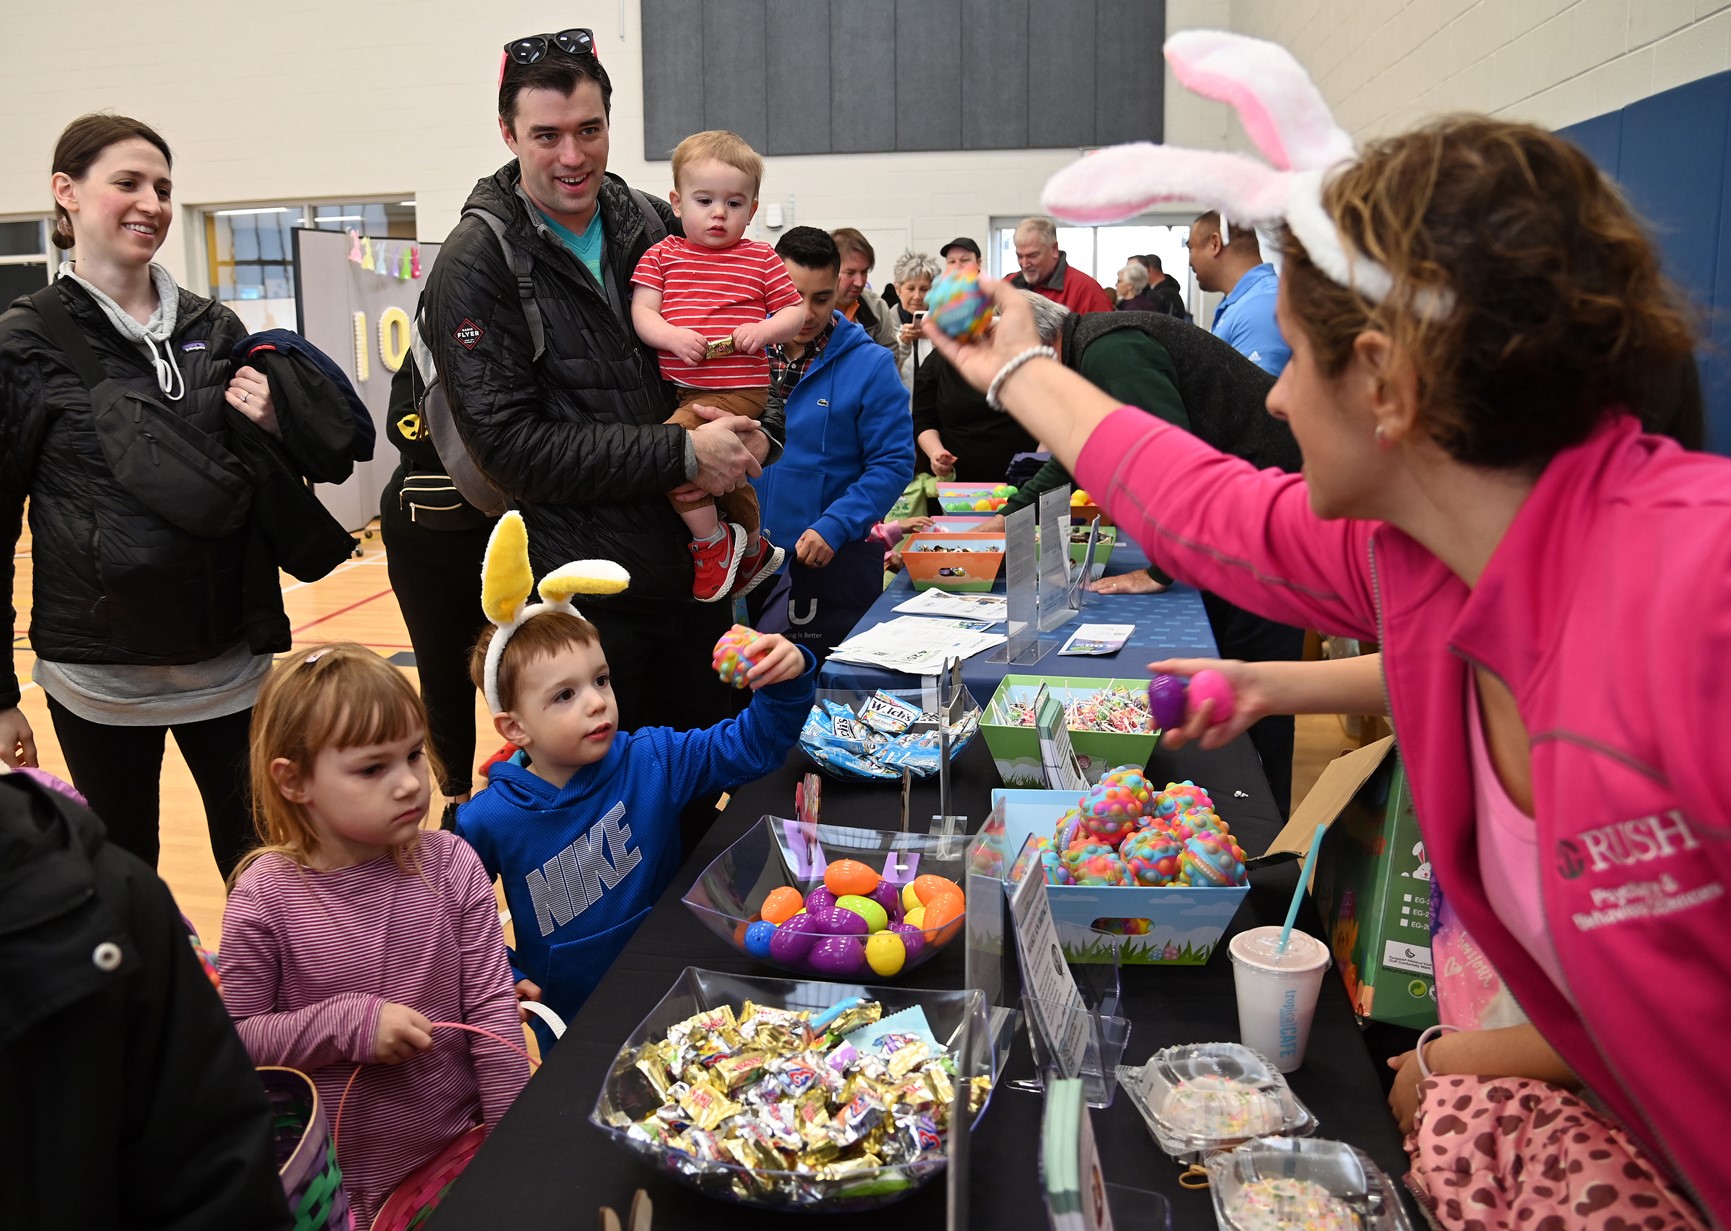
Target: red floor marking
[(341, 611)]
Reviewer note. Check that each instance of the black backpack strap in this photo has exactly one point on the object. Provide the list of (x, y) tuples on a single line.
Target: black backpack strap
[(520, 269), (652, 220), (68, 336)]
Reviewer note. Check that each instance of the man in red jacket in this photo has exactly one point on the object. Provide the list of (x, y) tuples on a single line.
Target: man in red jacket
[(1047, 271)]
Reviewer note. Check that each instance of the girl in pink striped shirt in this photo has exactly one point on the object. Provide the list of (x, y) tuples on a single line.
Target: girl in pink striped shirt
[(351, 932)]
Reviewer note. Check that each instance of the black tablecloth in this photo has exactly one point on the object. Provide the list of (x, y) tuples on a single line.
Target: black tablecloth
[(547, 1167)]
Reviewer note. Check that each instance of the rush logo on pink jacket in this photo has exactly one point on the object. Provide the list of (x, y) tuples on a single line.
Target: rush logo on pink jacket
[(1606, 610)]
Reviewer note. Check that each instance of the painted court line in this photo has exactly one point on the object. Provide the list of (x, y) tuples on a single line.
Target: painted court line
[(341, 611)]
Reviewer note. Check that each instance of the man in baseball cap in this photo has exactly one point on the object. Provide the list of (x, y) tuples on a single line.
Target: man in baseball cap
[(960, 253)]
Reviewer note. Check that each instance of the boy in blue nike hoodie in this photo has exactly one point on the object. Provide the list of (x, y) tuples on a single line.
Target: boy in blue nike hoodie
[(582, 823)]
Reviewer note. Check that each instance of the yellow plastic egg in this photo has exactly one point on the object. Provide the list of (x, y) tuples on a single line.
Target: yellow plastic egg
[(885, 953), (910, 899), (916, 918)]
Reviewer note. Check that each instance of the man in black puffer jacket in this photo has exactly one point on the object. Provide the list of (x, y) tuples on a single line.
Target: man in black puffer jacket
[(576, 436)]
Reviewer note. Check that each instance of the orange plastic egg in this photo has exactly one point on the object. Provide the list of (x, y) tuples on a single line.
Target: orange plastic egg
[(943, 917), (927, 886), (782, 904), (845, 876)]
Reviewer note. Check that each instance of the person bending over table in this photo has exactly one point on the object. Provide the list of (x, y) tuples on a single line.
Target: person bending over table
[(1192, 379), (1472, 478)]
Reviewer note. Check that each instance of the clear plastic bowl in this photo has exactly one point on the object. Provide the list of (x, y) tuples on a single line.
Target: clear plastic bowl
[(1270, 1181), (957, 1018), (729, 894), (1256, 1091)]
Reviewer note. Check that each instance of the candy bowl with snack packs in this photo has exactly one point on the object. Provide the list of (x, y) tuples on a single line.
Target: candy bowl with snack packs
[(832, 901), (797, 1094), (860, 736)]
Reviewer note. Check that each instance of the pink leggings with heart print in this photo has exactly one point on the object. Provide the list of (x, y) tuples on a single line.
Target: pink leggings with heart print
[(1511, 1154)]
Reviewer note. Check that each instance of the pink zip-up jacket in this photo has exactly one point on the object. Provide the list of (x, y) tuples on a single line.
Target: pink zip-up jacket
[(1606, 610)]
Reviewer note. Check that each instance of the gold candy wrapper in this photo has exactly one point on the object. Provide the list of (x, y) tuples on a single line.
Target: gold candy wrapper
[(792, 1110), (706, 1105), (852, 1019), (908, 1059), (719, 349), (732, 1072)]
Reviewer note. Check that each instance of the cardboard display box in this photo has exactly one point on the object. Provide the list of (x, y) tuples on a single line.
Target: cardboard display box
[(1371, 884), (1171, 925)]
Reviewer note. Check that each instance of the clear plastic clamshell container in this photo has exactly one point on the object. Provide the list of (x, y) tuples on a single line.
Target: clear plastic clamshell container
[(1199, 1099), (1284, 1182)]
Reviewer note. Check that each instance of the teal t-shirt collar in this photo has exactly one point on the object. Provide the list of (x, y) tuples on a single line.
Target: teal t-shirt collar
[(585, 247)]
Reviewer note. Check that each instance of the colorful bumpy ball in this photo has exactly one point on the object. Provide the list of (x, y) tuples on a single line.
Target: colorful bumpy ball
[(1187, 794), (1110, 812), (1211, 861), (729, 663), (1151, 856), (958, 306), (1100, 867)]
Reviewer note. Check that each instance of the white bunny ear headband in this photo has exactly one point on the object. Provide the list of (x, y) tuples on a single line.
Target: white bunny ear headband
[(1285, 116), (508, 582)]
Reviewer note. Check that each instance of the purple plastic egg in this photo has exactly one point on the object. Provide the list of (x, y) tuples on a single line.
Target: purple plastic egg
[(793, 939), (889, 897), (819, 900), (1166, 700), (840, 921), (837, 955), (913, 940)]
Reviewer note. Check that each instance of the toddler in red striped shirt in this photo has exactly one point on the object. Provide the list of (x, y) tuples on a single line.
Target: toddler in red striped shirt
[(709, 301)]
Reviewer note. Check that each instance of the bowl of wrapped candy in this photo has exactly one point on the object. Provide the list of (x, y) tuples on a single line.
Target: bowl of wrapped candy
[(861, 736), (791, 1094), (833, 901), (957, 563), (1108, 720)]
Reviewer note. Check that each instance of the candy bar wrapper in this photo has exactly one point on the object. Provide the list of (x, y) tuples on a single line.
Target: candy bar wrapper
[(942, 1088), (812, 1118), (650, 1063), (732, 1072), (849, 763), (845, 730), (860, 1116), (798, 1076), (758, 1016), (906, 1059), (845, 1168), (888, 714), (842, 1057), (852, 1019), (707, 1105), (708, 1146), (709, 1032), (818, 728), (916, 752)]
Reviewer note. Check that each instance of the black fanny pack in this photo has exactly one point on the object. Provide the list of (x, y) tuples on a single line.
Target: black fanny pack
[(183, 475)]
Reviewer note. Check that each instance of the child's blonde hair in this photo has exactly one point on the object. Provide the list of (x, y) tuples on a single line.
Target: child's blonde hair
[(336, 696), (729, 149)]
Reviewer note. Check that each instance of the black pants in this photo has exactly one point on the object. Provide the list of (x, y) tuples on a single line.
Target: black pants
[(1252, 638), (441, 606), (663, 677), (119, 770)]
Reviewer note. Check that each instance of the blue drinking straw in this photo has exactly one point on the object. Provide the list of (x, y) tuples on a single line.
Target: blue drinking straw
[(1298, 893)]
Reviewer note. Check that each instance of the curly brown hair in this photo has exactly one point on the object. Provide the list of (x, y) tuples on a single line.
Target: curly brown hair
[(1559, 312)]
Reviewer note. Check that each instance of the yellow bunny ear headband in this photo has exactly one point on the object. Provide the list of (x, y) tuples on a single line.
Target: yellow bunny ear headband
[(508, 582)]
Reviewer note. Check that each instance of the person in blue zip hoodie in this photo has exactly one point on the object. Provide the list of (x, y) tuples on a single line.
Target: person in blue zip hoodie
[(581, 824), (850, 441)]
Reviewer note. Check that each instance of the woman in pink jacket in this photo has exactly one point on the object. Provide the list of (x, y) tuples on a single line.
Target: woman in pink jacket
[(1551, 587)]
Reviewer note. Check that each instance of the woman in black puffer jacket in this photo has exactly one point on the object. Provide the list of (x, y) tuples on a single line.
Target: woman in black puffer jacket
[(139, 626)]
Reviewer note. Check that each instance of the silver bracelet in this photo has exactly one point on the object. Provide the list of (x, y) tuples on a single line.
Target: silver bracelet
[(1009, 370)]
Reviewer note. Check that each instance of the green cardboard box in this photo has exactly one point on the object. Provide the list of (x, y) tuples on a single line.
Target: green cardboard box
[(1016, 749), (1372, 884)]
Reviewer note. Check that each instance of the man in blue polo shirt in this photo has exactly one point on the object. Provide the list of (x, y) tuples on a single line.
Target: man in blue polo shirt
[(1235, 268)]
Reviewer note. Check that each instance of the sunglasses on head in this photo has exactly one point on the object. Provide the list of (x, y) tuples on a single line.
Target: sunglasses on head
[(575, 42)]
